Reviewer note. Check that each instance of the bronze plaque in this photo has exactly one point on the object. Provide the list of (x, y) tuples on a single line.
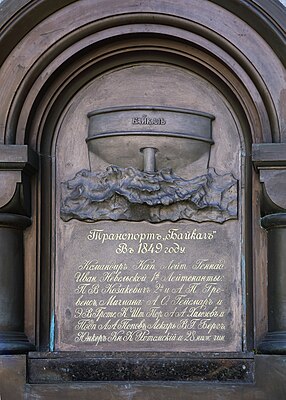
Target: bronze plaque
[(148, 218), (149, 287)]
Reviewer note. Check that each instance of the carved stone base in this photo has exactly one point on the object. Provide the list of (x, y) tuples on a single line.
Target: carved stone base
[(273, 343), (14, 343), (65, 367)]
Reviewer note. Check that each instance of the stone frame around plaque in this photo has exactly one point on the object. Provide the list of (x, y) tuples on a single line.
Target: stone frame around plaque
[(61, 262), (49, 331), (245, 59)]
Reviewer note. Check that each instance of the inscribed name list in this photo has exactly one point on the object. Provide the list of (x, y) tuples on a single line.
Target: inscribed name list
[(168, 287)]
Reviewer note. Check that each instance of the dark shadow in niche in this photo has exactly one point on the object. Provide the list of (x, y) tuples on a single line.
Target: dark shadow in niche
[(130, 194)]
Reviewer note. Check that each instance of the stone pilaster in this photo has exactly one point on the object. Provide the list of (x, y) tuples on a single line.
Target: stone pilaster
[(16, 164), (270, 159)]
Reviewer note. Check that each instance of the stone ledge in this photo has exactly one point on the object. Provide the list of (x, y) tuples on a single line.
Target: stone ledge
[(77, 367)]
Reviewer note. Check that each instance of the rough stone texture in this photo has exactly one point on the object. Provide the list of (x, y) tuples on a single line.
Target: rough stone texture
[(12, 377), (71, 367), (270, 385)]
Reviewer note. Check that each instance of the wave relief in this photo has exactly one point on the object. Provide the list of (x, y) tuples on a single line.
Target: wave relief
[(129, 194)]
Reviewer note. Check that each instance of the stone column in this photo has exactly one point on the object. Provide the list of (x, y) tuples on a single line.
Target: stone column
[(16, 163), (275, 340), (270, 159)]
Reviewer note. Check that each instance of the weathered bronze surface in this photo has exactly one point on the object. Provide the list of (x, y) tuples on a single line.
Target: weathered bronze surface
[(181, 136), (126, 286), (137, 285), (130, 194)]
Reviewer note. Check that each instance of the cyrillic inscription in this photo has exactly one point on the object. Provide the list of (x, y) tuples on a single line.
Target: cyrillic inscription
[(145, 120), (137, 288)]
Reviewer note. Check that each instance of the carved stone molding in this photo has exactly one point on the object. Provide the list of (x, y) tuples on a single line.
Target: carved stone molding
[(62, 51), (17, 162), (8, 183), (270, 161), (274, 189)]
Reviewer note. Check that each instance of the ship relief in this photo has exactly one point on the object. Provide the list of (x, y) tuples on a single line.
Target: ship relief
[(127, 192)]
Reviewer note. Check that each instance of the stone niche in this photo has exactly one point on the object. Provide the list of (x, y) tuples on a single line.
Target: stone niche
[(149, 216), (148, 246)]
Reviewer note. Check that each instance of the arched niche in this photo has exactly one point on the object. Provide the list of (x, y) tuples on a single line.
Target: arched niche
[(70, 71), (96, 88), (153, 74), (51, 50)]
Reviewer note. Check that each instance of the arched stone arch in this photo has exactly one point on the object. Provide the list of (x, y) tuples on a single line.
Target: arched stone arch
[(53, 52), (51, 47)]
